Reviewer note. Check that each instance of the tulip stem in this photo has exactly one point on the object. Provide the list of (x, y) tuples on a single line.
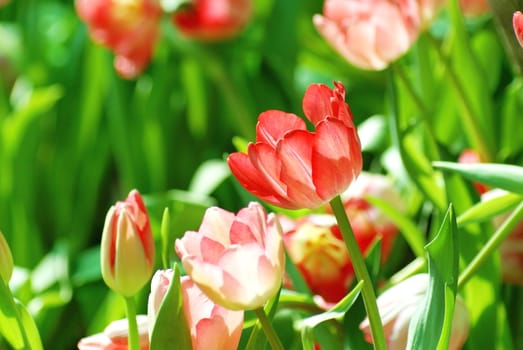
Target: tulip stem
[(362, 274), (268, 329), (493, 243), (133, 338)]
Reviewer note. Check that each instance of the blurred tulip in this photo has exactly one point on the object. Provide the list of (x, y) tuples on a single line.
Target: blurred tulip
[(511, 250), (369, 222), (517, 21), (469, 156), (397, 306), (4, 2), (212, 327), (293, 168), (129, 27), (6, 260), (114, 336), (212, 20), (429, 9), (370, 34), (127, 249), (237, 260), (316, 247), (473, 8)]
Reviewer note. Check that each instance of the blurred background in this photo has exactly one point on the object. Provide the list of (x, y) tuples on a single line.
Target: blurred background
[(75, 137)]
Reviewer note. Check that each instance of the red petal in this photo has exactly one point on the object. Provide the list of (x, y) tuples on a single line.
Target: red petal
[(273, 125), (336, 158)]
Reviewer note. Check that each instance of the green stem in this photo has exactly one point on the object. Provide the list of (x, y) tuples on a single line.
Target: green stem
[(272, 337), (6, 292), (362, 274), (133, 337), (493, 243)]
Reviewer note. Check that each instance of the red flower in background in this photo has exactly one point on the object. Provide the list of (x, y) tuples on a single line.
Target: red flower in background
[(213, 19), (517, 21), (294, 168), (470, 156), (129, 27), (474, 7)]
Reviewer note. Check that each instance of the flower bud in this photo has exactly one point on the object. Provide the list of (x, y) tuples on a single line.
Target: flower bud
[(127, 252), (6, 260), (517, 22), (398, 305)]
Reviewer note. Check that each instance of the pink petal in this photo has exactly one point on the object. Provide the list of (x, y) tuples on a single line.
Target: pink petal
[(273, 125), (249, 226), (517, 21), (295, 152), (336, 158), (216, 224)]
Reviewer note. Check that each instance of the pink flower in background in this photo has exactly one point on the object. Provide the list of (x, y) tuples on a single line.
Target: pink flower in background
[(397, 306), (474, 7), (213, 19), (517, 21), (212, 327), (129, 27), (114, 336), (237, 260), (127, 248), (511, 250), (370, 34), (469, 156), (294, 168)]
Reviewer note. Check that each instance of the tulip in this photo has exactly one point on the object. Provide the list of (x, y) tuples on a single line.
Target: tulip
[(129, 27), (114, 336), (511, 250), (472, 8), (127, 248), (294, 168), (316, 247), (212, 327), (237, 260), (6, 260), (429, 9), (397, 306), (517, 21), (370, 34), (212, 20)]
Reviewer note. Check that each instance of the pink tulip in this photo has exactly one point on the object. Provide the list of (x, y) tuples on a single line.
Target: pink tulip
[(517, 21), (114, 336), (212, 327), (474, 7), (127, 248), (129, 27), (213, 20), (370, 34), (397, 306), (294, 168), (511, 250), (237, 260)]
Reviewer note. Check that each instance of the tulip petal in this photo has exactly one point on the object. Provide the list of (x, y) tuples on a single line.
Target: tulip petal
[(273, 125), (249, 226), (336, 158), (216, 224), (295, 152)]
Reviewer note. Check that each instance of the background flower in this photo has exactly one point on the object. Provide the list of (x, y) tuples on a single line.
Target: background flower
[(114, 336), (517, 21)]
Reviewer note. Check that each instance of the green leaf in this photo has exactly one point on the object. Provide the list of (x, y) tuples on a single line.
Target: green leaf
[(33, 336), (487, 209), (166, 237), (9, 327), (170, 328), (431, 325), (209, 175), (335, 313), (504, 176)]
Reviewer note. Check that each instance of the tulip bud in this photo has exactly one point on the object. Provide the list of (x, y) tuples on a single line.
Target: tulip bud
[(127, 252), (517, 21), (114, 336), (6, 260), (398, 305)]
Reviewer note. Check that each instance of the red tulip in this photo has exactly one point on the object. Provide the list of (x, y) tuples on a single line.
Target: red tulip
[(517, 21), (213, 19), (114, 336), (294, 168), (129, 27), (370, 33), (127, 249)]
